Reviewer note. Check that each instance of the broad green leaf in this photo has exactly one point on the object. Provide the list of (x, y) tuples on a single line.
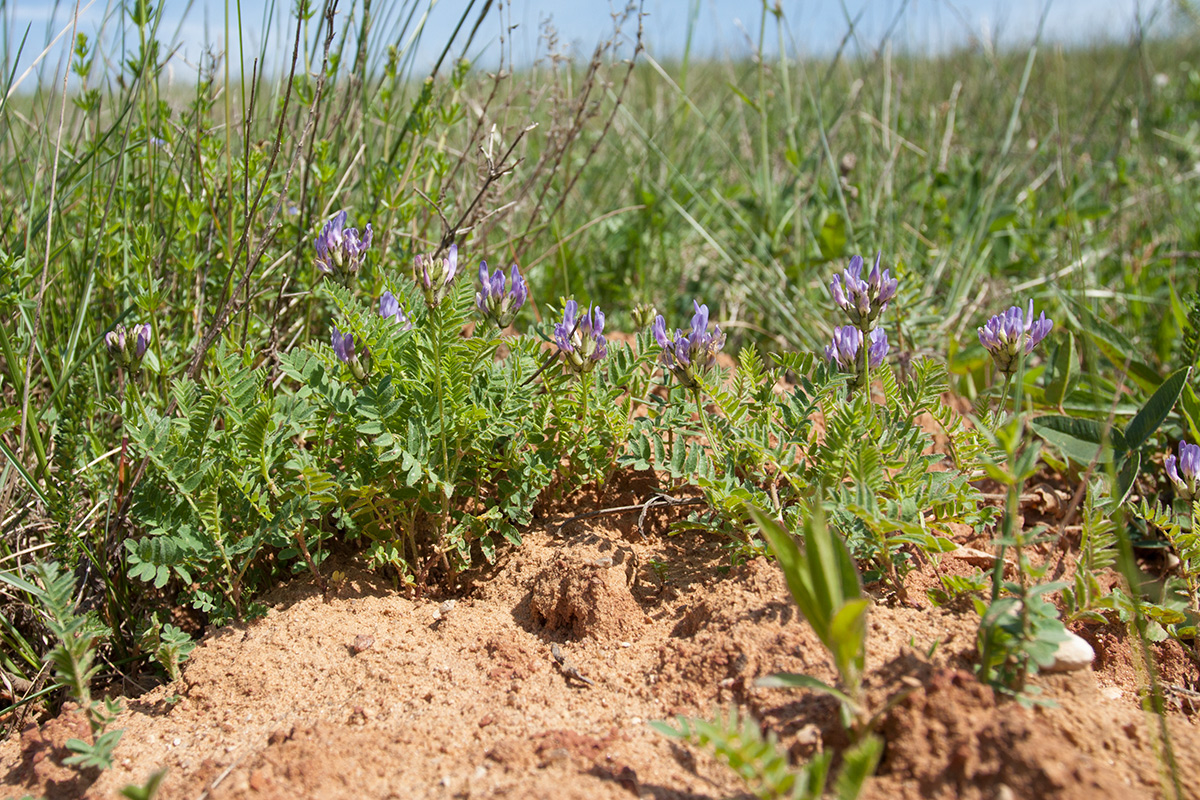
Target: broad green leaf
[(791, 560), (848, 631), (667, 730), (9, 418), (1146, 421), (13, 580), (1128, 474), (825, 571), (1117, 348), (1082, 440), (1066, 370), (148, 790)]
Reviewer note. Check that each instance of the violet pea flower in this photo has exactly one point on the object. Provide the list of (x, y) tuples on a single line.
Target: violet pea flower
[(343, 348), (581, 341), (1185, 472), (844, 350), (340, 250), (143, 338), (117, 342), (687, 355), (496, 300), (1011, 334), (389, 308), (863, 300)]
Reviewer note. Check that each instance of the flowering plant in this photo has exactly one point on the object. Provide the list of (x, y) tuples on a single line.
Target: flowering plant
[(863, 300), (1007, 335), (844, 350), (343, 348), (389, 308), (687, 355), (1185, 472), (497, 301), (581, 341), (117, 339), (340, 250), (435, 276)]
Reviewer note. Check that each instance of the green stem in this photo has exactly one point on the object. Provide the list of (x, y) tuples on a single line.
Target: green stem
[(1193, 582), (712, 440), (131, 375), (864, 364), (1004, 396), (864, 368), (437, 382), (585, 386), (580, 429), (444, 525)]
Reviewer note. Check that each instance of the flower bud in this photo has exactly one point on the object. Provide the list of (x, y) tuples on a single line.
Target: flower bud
[(435, 276)]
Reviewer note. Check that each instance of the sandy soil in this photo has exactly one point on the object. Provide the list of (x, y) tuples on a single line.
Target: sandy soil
[(375, 694)]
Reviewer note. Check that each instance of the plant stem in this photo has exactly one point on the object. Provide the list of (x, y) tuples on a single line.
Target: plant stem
[(444, 524), (712, 440), (586, 388), (437, 382), (1191, 580), (864, 368), (1004, 395)]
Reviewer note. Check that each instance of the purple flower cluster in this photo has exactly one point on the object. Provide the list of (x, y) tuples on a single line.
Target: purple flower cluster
[(340, 250), (435, 276), (581, 341), (1185, 473), (844, 350), (389, 308), (344, 349), (687, 355), (863, 300), (117, 339), (495, 300), (1007, 336)]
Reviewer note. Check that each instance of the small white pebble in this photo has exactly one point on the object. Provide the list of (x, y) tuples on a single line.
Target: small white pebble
[(1073, 653), (635, 720), (177, 742), (626, 644)]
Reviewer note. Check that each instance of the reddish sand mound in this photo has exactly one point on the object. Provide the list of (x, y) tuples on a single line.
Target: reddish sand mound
[(376, 695)]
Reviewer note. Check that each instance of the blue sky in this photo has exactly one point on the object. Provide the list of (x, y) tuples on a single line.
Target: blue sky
[(723, 27)]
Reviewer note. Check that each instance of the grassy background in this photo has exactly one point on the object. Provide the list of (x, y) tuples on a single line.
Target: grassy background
[(1064, 175)]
